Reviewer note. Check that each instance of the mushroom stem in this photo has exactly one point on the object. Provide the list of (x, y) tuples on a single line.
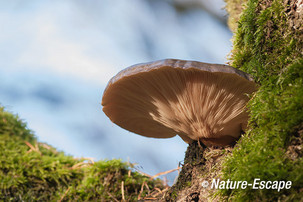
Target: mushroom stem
[(194, 154), (199, 143), (201, 164)]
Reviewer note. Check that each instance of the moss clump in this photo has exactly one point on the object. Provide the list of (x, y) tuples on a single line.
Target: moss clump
[(32, 171), (106, 179), (270, 48)]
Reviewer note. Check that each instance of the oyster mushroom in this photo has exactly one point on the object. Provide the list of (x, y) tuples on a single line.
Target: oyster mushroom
[(195, 100)]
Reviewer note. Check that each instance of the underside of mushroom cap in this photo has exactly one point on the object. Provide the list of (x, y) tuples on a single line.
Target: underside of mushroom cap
[(197, 101)]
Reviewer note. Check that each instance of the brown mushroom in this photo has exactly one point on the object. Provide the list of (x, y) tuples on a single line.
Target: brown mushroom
[(195, 100)]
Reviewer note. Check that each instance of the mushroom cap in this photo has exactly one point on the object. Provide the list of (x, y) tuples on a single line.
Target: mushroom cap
[(195, 100)]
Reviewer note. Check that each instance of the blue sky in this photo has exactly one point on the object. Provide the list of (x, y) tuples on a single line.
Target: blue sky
[(57, 57)]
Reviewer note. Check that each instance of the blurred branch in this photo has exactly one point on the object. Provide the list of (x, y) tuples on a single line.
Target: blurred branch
[(214, 7)]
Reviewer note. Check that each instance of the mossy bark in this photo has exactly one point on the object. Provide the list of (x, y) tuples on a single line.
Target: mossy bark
[(268, 44), (201, 164), (194, 159)]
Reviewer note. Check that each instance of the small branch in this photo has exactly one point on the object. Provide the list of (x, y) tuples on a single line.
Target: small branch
[(87, 158), (33, 148), (159, 191), (112, 197), (64, 194), (141, 191), (80, 165), (122, 190), (145, 174), (164, 173)]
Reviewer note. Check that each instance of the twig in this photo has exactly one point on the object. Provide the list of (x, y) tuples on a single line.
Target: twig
[(159, 191), (164, 173), (64, 194), (141, 191), (122, 190), (32, 148), (112, 197), (165, 181), (80, 165), (48, 147), (147, 175), (150, 198), (87, 158), (83, 164), (147, 187)]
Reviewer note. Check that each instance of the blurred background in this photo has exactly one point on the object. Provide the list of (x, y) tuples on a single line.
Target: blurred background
[(56, 58)]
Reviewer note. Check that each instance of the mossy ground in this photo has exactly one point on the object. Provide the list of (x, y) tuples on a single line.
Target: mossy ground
[(33, 171), (268, 44)]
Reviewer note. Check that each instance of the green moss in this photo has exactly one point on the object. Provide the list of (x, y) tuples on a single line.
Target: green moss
[(31, 171), (267, 47), (174, 195), (105, 179)]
